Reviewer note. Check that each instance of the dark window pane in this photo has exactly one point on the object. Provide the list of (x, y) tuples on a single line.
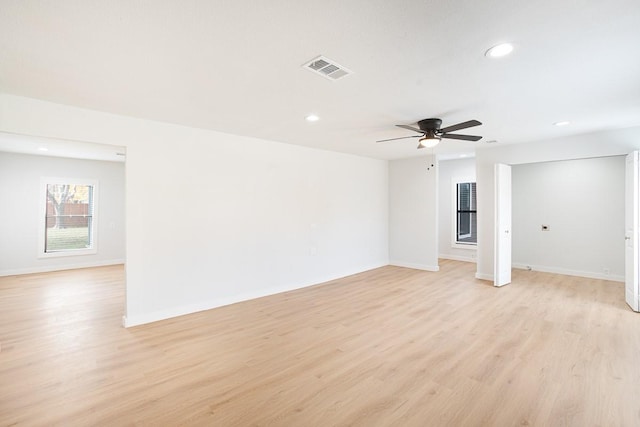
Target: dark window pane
[(466, 226)]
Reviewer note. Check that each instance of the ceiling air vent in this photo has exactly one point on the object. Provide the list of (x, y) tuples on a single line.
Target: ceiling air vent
[(327, 68)]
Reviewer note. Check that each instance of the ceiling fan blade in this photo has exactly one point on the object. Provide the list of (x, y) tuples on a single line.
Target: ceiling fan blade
[(410, 128), (463, 125), (462, 137), (404, 137)]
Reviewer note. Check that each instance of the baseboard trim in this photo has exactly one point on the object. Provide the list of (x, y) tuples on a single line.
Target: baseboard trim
[(50, 268), (158, 315), (458, 258), (129, 321), (424, 267), (567, 272), (484, 276)]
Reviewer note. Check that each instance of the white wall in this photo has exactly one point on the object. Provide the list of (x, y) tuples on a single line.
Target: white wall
[(413, 213), (451, 171), (597, 144), (214, 218), (21, 214), (582, 203)]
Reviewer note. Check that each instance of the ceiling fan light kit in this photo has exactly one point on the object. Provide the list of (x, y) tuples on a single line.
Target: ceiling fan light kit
[(428, 142)]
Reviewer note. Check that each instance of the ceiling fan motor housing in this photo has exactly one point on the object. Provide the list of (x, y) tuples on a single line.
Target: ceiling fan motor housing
[(430, 124)]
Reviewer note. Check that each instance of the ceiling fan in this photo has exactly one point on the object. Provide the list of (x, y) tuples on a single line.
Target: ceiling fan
[(431, 133)]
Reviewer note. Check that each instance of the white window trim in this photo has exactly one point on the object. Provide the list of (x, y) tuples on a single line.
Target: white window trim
[(43, 211), (454, 213)]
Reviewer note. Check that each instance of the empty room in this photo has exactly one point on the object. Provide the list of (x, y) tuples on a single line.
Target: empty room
[(413, 213)]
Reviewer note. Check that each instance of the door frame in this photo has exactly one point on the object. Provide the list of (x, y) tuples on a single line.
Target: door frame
[(631, 226), (502, 225)]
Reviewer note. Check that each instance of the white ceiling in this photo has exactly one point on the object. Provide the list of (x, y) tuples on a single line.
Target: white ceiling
[(235, 66)]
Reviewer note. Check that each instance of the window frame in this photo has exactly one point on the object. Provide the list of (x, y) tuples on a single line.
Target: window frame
[(42, 222), (454, 213)]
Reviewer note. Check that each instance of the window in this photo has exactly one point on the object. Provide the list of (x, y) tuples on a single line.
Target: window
[(466, 232), (69, 218)]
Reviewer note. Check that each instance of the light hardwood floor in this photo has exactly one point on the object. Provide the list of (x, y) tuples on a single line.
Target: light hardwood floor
[(388, 347)]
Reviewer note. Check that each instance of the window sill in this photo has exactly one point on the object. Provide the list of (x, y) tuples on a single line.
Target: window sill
[(467, 246), (71, 252)]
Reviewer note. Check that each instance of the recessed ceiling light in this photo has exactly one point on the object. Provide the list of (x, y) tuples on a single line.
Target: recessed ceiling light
[(312, 118), (564, 123), (499, 50), (43, 149)]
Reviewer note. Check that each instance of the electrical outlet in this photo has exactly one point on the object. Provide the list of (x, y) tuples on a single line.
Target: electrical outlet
[(606, 271)]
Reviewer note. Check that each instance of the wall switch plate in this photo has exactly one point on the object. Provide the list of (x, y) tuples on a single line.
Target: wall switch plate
[(545, 227)]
